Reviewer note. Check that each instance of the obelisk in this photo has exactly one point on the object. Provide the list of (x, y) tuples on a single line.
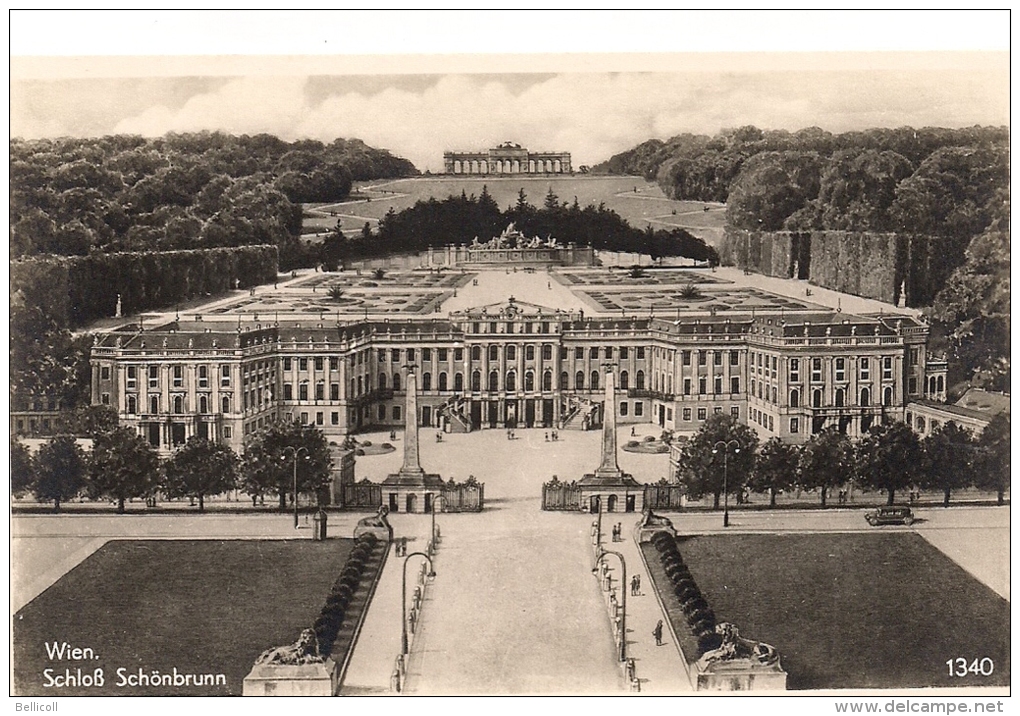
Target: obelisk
[(609, 467), (412, 464)]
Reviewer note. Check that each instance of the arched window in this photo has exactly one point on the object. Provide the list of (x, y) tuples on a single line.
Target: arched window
[(511, 353), (775, 395), (931, 385), (940, 384), (816, 399), (224, 404), (426, 381), (396, 381), (579, 380), (840, 397), (476, 352), (511, 380), (594, 380), (920, 424), (458, 381), (887, 397), (529, 381), (655, 381), (132, 405), (865, 397), (639, 380), (178, 404), (203, 404), (547, 380), (442, 381), (624, 380), (476, 380), (493, 352), (493, 381), (564, 378), (382, 381), (794, 398)]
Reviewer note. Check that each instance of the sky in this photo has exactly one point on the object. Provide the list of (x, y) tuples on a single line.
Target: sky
[(593, 106)]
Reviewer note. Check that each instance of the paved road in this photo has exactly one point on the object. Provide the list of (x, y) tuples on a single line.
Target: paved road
[(514, 609)]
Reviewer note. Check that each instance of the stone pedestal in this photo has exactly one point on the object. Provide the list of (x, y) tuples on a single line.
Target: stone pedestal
[(411, 483), (292, 680), (616, 490), (740, 675)]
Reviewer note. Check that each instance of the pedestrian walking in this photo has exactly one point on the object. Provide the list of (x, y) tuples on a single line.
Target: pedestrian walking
[(637, 585), (547, 437), (657, 633), (633, 432), (633, 586)]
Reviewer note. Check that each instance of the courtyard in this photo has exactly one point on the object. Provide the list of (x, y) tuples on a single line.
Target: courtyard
[(514, 608)]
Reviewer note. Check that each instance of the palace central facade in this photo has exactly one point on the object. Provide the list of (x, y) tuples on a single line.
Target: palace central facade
[(515, 364)]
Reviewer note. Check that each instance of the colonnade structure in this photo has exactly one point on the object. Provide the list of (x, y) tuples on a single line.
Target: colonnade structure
[(508, 158)]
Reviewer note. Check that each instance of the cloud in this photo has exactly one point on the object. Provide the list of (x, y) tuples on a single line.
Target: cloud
[(591, 115)]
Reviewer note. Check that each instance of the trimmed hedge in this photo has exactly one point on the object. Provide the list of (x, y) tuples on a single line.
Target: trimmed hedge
[(700, 617), (84, 288), (331, 618)]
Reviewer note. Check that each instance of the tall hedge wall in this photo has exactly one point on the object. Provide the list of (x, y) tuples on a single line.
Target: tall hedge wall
[(874, 265), (84, 288)]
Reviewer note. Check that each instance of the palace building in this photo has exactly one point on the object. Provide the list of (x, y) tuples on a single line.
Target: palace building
[(515, 364), (507, 158)]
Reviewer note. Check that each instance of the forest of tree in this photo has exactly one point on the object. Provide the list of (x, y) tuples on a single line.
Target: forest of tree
[(182, 191), (460, 219), (948, 186)]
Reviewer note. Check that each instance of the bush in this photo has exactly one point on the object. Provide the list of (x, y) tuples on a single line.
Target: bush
[(693, 605), (649, 439), (702, 627), (708, 642), (366, 443), (387, 446)]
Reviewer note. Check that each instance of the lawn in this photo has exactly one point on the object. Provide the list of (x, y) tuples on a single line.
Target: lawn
[(209, 606), (647, 204), (850, 610)]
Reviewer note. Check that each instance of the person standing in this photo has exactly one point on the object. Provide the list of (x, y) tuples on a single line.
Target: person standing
[(637, 585), (657, 633)]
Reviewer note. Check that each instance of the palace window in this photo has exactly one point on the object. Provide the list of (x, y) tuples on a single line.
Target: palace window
[(640, 352), (426, 381), (476, 381), (382, 381), (718, 385), (816, 370), (442, 381), (303, 391), (794, 370), (395, 355), (593, 353), (887, 395), (794, 425), (334, 391), (442, 354), (840, 397), (687, 386), (410, 355), (579, 353), (225, 404), (132, 405), (529, 352), (334, 418), (382, 358), (476, 352), (702, 413), (203, 376), (153, 404), (623, 408), (458, 354), (426, 354), (564, 379), (887, 368), (132, 377), (529, 381), (154, 376), (547, 352), (179, 404), (458, 382), (702, 385), (639, 409), (396, 381), (547, 380), (320, 390), (734, 384), (702, 357), (318, 363), (396, 412), (640, 380), (735, 411), (624, 353), (687, 415), (685, 357), (594, 380), (334, 362), (734, 357), (865, 397), (579, 380), (624, 380), (716, 357), (493, 381), (493, 352), (864, 372), (511, 353), (794, 398)]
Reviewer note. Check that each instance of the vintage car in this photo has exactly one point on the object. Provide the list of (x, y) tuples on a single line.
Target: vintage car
[(890, 516)]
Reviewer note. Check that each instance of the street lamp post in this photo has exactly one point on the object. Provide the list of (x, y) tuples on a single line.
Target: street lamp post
[(435, 500), (623, 602), (403, 599), (598, 529), (725, 445), (295, 451)]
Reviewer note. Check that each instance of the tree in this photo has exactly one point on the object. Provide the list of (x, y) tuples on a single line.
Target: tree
[(90, 420), (59, 470), (775, 468), (123, 466), (200, 468), (825, 461), (269, 460), (889, 458), (949, 458), (993, 456), (22, 467), (704, 468)]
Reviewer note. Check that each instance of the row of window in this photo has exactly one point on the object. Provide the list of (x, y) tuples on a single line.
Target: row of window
[(524, 327), (839, 366), (639, 408), (839, 397), (717, 385), (178, 404), (702, 413), (702, 357), (176, 376)]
